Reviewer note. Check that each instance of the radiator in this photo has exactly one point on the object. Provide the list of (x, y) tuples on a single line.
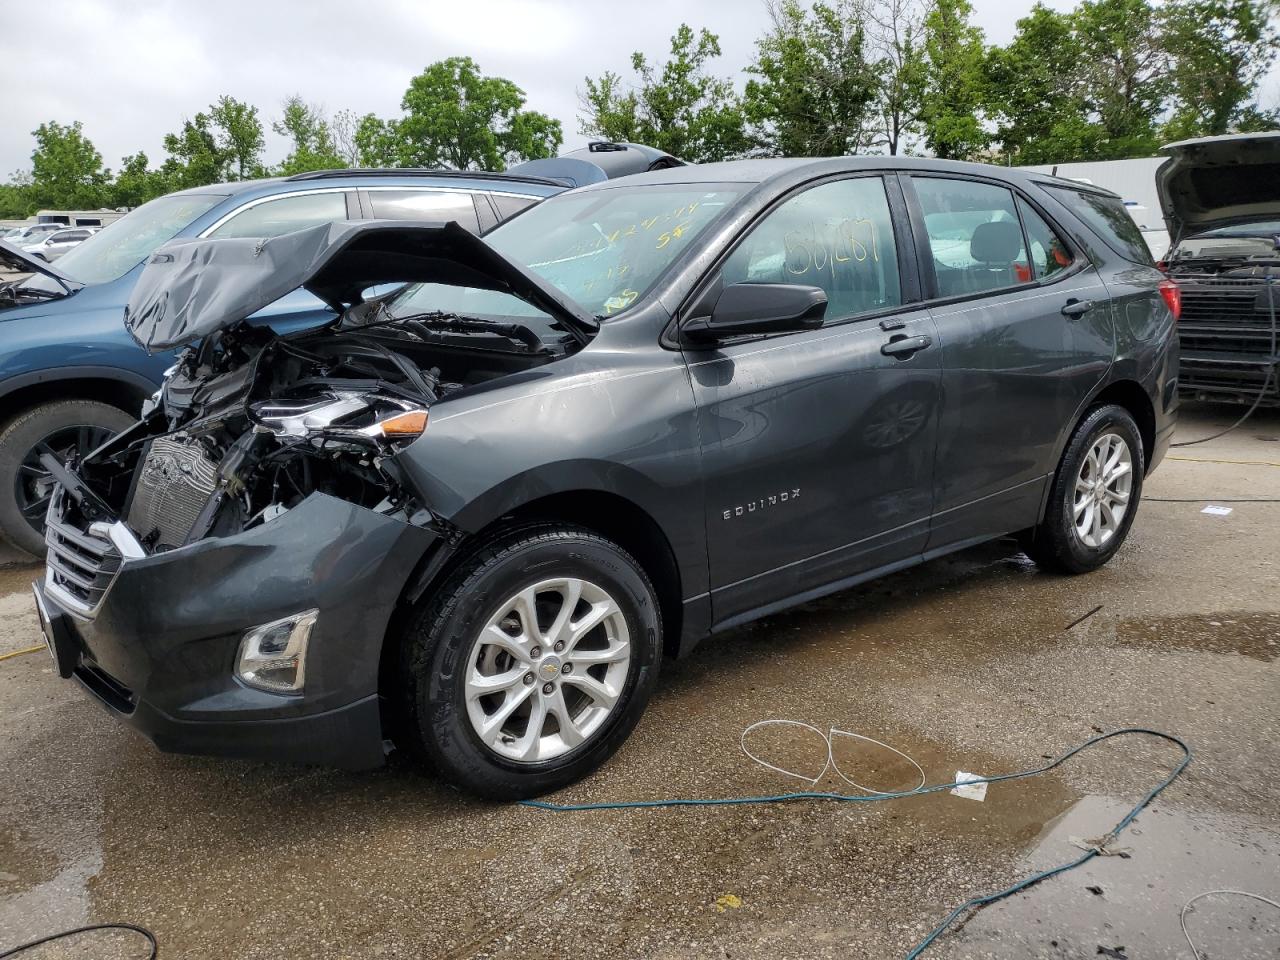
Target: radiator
[(174, 483)]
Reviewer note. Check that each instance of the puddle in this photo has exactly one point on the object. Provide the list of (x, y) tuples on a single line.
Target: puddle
[(1134, 903), (1254, 635)]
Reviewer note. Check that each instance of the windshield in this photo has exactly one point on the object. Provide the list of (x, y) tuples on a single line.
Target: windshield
[(1239, 240), (114, 251), (604, 249)]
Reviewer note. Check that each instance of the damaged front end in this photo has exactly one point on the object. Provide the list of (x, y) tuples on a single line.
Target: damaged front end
[(249, 423), (258, 506)]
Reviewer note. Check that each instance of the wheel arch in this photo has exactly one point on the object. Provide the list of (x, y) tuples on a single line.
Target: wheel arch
[(122, 389), (606, 513), (1126, 393), (1130, 395)]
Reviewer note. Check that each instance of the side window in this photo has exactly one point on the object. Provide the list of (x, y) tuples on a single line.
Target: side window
[(1107, 216), (1049, 254), (285, 215), (510, 206), (974, 234), (837, 236), (436, 206)]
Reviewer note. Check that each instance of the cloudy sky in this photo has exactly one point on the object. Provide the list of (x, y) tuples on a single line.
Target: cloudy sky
[(132, 72)]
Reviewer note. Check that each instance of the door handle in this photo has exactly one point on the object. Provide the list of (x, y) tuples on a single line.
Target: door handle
[(1077, 308), (906, 347)]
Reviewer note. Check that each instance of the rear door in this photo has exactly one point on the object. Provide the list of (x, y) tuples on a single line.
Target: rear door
[(817, 446), (1025, 339)]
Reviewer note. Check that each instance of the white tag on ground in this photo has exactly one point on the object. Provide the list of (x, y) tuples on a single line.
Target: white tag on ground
[(969, 790), (1216, 511)]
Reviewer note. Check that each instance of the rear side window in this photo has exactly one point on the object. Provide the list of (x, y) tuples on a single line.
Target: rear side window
[(1049, 254), (285, 215), (974, 234), (837, 236), (509, 206), (1108, 218), (437, 206)]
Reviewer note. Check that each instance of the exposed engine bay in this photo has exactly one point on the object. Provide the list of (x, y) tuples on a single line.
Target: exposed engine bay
[(248, 422)]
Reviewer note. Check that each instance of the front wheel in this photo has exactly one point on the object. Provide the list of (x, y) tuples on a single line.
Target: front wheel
[(1094, 496), (62, 428), (532, 664)]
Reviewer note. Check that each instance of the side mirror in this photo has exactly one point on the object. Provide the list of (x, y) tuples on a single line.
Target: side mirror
[(745, 309)]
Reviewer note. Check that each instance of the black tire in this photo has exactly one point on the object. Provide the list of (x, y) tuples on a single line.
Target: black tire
[(435, 650), (1054, 544), (19, 439)]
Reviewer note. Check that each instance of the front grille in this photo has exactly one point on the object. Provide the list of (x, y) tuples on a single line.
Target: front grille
[(1226, 315), (1225, 337), (80, 565), (175, 480)]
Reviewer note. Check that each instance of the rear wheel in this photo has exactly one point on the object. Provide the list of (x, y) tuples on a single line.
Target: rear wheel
[(1094, 496), (62, 428), (532, 664)]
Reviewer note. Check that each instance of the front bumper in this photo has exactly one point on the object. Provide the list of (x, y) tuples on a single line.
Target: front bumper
[(158, 645)]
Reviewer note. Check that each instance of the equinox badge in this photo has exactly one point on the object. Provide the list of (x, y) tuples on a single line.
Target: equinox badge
[(770, 501)]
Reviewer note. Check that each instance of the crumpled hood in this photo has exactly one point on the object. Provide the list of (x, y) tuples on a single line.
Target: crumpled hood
[(1219, 181), (11, 258), (192, 288)]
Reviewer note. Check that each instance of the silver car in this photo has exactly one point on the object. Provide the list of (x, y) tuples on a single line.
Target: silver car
[(21, 237), (53, 245)]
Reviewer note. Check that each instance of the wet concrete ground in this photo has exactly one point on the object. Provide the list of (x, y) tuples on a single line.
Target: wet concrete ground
[(964, 664)]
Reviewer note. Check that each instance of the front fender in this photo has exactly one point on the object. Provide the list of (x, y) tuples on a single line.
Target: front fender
[(631, 432)]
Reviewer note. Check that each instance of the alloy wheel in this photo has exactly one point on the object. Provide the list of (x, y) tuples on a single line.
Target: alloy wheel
[(547, 669), (1102, 491), (33, 486)]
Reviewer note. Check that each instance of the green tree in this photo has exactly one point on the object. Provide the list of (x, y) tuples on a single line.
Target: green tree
[(221, 144), (1124, 69), (896, 36), (311, 139), (136, 183), (195, 158), (952, 82), (377, 142), (815, 91), (66, 168), (239, 137), (1037, 94), (1219, 50), (680, 107), (15, 197), (455, 116)]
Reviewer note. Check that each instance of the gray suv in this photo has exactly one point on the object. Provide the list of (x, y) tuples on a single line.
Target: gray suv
[(473, 515)]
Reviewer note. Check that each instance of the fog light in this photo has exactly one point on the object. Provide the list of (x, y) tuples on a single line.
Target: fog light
[(273, 656)]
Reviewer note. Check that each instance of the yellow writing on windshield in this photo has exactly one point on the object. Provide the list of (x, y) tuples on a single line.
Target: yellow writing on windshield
[(681, 216)]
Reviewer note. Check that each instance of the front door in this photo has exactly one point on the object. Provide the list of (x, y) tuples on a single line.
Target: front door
[(817, 446), (1024, 338)]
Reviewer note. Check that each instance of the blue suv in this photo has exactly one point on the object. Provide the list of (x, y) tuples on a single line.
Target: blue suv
[(70, 374)]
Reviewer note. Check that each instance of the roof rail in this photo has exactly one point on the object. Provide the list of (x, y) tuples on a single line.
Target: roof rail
[(424, 172)]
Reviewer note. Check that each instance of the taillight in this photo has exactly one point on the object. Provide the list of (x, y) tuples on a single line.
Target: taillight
[(1172, 296)]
